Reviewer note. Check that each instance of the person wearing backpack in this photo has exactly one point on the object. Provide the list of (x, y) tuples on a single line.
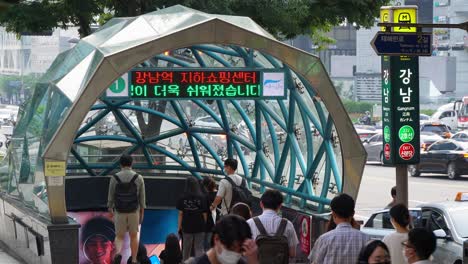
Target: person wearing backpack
[(126, 203), (275, 236), (232, 189)]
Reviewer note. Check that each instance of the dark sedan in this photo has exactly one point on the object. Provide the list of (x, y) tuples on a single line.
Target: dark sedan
[(445, 156)]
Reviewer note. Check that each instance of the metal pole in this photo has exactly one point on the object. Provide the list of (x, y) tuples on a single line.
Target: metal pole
[(402, 183), (463, 26)]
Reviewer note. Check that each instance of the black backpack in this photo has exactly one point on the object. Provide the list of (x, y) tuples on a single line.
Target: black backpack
[(126, 195), (272, 249), (240, 193)]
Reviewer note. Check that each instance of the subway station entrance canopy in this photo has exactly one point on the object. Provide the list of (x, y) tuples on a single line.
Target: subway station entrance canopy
[(303, 145)]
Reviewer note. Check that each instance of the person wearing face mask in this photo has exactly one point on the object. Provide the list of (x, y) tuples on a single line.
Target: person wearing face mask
[(232, 244), (375, 252), (420, 246), (400, 219)]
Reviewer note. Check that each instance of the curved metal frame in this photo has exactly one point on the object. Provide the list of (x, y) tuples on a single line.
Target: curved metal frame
[(217, 30)]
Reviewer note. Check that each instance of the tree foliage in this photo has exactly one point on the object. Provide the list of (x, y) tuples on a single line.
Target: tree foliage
[(283, 18)]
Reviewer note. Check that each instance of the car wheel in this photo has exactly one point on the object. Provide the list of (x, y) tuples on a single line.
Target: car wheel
[(414, 171), (452, 171)]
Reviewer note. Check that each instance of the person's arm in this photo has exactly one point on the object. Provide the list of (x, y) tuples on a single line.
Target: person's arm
[(179, 222), (216, 202), (110, 196), (219, 196), (293, 241), (142, 199)]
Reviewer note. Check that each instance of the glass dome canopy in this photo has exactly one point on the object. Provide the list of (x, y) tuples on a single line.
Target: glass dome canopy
[(276, 141)]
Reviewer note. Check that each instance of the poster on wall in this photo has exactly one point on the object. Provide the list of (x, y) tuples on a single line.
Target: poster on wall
[(96, 237), (97, 234)]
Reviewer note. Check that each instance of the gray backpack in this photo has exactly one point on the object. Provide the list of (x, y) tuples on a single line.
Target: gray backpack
[(272, 249)]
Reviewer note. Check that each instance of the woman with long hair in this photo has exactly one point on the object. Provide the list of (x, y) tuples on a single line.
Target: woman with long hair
[(193, 212), (374, 252), (400, 219), (171, 253)]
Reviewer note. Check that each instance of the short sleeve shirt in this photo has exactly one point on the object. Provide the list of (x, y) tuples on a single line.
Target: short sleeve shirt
[(271, 221), (225, 192), (341, 245), (393, 242), (193, 207)]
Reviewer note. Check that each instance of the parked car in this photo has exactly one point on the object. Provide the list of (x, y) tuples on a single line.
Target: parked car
[(461, 136), (423, 118), (445, 156), (437, 128), (446, 219), (365, 132), (374, 145)]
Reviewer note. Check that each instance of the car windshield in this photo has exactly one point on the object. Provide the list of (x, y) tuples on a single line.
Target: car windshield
[(435, 129), (459, 220), (423, 117)]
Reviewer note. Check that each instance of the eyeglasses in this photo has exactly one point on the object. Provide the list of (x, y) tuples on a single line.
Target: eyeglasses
[(406, 245)]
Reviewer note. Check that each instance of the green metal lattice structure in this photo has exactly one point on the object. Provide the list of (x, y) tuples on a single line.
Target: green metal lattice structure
[(304, 146)]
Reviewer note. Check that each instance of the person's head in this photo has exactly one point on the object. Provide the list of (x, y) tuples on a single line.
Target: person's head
[(229, 234), (342, 207), (192, 186), (209, 184), (96, 237), (375, 252), (230, 166), (420, 245), (126, 161), (367, 113), (400, 215), (172, 248), (242, 209), (393, 192), (271, 199)]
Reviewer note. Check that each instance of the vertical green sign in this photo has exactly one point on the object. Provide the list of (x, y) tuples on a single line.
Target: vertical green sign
[(387, 114), (400, 109), (405, 82)]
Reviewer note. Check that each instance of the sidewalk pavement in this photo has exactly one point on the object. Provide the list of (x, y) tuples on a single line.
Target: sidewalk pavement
[(5, 258)]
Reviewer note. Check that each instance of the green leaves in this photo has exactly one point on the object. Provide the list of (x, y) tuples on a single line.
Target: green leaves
[(283, 18)]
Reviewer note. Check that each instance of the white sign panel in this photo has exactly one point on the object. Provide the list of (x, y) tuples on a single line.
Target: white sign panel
[(273, 84)]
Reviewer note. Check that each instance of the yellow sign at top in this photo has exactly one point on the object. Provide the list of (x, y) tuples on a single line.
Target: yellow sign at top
[(54, 168), (384, 16), (404, 15)]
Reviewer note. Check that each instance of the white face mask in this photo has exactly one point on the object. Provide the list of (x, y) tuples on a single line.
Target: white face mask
[(228, 256)]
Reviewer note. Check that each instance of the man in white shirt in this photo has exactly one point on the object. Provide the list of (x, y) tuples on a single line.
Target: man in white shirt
[(420, 246), (271, 202), (224, 195)]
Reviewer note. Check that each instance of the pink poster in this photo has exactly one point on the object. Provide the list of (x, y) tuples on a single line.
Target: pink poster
[(97, 234)]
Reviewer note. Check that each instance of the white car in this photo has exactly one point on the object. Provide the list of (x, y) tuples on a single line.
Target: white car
[(448, 220)]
